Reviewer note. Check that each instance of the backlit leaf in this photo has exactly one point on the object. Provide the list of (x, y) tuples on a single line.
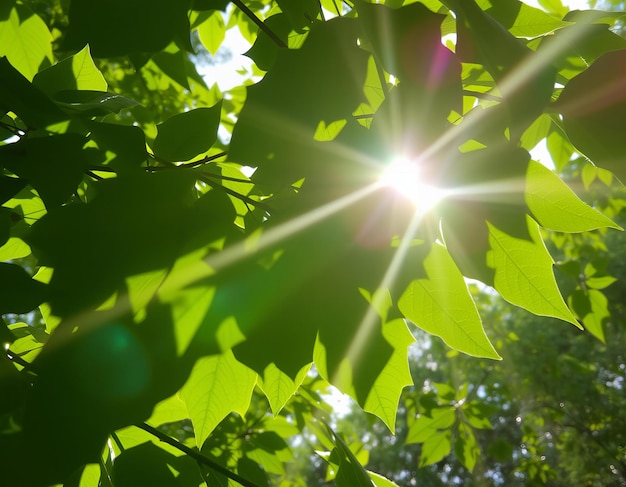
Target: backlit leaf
[(436, 448), (443, 306), (77, 72), (24, 38), (278, 387), (425, 427), (212, 32), (217, 386), (385, 394), (556, 206), (523, 273)]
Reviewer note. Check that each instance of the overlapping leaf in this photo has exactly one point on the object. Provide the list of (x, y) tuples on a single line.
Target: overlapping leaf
[(523, 273), (556, 206), (442, 305)]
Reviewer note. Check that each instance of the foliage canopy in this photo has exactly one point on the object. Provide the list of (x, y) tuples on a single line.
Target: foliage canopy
[(149, 279)]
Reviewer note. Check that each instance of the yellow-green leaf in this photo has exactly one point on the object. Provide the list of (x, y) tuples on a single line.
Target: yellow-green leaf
[(24, 39), (217, 386), (385, 394), (523, 273), (77, 72), (443, 306), (556, 206), (279, 387)]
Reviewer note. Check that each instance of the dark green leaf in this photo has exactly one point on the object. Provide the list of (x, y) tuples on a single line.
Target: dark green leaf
[(29, 103), (186, 135), (593, 106), (127, 142), (139, 25), (52, 165), (482, 39), (19, 293)]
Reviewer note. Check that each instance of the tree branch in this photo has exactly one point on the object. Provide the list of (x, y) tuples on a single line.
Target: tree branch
[(198, 457), (251, 15)]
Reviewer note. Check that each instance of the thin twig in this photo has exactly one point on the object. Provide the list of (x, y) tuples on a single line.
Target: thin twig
[(187, 165), (239, 196), (251, 15), (103, 169), (195, 455), (13, 357), (227, 178), (92, 174), (12, 128), (484, 96)]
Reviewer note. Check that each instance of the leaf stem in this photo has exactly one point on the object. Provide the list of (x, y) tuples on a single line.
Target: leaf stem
[(198, 457), (227, 178), (251, 15), (187, 165), (229, 191), (484, 96)]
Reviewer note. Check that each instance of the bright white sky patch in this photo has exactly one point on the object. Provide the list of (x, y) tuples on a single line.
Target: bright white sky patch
[(226, 72)]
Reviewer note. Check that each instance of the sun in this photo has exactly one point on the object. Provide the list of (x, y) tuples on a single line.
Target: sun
[(404, 176)]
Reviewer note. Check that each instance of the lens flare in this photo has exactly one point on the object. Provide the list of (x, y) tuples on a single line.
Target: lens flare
[(404, 176)]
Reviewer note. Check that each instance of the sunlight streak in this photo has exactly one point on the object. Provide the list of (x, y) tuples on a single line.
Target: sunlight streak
[(270, 237), (524, 72), (368, 325)]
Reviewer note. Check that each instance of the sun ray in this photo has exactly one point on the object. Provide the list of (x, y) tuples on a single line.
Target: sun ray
[(368, 325)]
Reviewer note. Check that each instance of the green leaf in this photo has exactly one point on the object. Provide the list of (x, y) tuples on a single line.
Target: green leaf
[(427, 427), (19, 293), (600, 282), (523, 273), (466, 447), (217, 386), (556, 206), (477, 414), (560, 148), (212, 32), (169, 410), (128, 143), (593, 105), (300, 14), (77, 72), (533, 22), (150, 464), (278, 387), (186, 135), (350, 472), (29, 103), (484, 40), (385, 394), (283, 111), (436, 448), (52, 165), (24, 38), (592, 307), (92, 103), (443, 306), (380, 481), (14, 248), (92, 22)]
